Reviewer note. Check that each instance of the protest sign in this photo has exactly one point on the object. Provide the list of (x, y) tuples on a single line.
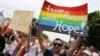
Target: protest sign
[(67, 20), (21, 20)]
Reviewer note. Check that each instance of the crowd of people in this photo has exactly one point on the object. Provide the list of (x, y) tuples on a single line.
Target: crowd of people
[(86, 51), (17, 43)]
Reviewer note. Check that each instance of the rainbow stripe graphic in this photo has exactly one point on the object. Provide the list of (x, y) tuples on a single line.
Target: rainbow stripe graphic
[(19, 50), (67, 17)]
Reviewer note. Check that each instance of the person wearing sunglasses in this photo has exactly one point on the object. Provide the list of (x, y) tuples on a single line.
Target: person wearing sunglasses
[(57, 46)]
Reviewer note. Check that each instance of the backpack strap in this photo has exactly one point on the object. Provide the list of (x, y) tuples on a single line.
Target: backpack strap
[(37, 51)]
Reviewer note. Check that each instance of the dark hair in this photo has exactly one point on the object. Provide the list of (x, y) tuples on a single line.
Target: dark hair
[(92, 46), (59, 40), (33, 31), (23, 34)]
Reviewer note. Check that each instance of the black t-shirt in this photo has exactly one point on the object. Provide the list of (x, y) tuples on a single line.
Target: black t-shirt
[(50, 53), (9, 37), (2, 43)]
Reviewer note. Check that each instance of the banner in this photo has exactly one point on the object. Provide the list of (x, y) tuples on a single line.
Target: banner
[(67, 20), (21, 21)]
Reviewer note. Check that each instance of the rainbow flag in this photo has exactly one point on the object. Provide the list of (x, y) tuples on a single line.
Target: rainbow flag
[(67, 20), (5, 29), (19, 50)]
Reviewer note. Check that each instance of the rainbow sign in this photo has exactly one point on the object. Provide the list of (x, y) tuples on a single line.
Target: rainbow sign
[(67, 20)]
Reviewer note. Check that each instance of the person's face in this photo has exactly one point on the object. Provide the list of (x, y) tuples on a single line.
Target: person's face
[(92, 48), (23, 38), (9, 31), (82, 48), (33, 39), (87, 48), (66, 46), (57, 45), (99, 53)]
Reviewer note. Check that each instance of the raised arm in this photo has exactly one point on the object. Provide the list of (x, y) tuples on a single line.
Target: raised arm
[(29, 37), (16, 36), (40, 38), (77, 42), (74, 46)]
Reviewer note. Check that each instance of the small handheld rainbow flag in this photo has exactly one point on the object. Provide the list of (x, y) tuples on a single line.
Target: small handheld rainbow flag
[(19, 50)]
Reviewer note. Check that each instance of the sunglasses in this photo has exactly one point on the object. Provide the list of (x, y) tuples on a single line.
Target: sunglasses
[(57, 44)]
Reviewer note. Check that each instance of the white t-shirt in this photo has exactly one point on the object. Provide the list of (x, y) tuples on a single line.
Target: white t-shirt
[(94, 54), (33, 50), (14, 43), (40, 53), (90, 53)]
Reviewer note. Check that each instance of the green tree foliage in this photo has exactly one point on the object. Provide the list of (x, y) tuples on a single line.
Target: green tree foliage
[(94, 33), (45, 36)]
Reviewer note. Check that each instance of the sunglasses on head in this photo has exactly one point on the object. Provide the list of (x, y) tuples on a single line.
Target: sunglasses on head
[(57, 44)]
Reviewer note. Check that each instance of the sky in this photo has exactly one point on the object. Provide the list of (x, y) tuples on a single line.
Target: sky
[(9, 6)]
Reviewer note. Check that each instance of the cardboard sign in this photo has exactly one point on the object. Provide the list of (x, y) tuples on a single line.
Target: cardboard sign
[(21, 21), (67, 20)]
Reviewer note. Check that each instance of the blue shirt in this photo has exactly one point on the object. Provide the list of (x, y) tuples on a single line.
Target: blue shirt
[(50, 53)]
